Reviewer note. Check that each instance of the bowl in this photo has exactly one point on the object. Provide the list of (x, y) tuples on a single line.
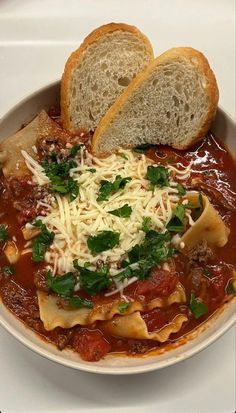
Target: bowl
[(199, 339)]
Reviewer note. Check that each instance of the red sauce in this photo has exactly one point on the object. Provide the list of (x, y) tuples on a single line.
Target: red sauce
[(211, 159)]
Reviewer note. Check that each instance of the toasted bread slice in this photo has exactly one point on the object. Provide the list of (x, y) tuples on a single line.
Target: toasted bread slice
[(99, 71), (172, 102)]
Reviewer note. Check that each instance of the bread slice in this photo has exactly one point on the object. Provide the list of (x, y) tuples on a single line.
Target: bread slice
[(99, 71), (172, 102)]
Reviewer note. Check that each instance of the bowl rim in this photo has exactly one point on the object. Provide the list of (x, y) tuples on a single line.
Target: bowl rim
[(93, 367)]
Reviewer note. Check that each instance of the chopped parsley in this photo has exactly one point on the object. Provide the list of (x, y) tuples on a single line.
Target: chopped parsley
[(198, 309), (107, 188), (181, 190), (123, 212), (78, 302), (206, 273), (230, 289), (176, 223), (105, 240), (93, 281), (122, 307), (146, 225), (8, 270), (158, 175), (42, 242), (151, 252), (142, 148), (92, 170), (63, 284), (60, 179), (3, 233), (75, 149), (123, 156)]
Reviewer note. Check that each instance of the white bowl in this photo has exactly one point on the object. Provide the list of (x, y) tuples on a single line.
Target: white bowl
[(196, 341)]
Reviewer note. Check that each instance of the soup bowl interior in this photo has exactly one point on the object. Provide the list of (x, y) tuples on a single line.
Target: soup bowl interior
[(196, 341)]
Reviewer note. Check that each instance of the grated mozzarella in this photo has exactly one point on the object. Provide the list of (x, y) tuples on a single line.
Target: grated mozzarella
[(73, 222)]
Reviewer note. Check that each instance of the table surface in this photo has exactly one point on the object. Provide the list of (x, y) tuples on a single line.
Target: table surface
[(36, 37)]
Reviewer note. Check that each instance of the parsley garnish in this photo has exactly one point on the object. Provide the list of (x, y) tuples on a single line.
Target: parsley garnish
[(181, 189), (3, 233), (42, 242), (107, 188), (123, 156), (146, 225), (230, 289), (150, 253), (142, 148), (206, 273), (123, 212), (176, 223), (78, 302), (198, 309), (75, 149), (8, 270), (158, 175), (122, 307), (105, 240), (59, 175), (63, 284), (92, 170), (93, 281)]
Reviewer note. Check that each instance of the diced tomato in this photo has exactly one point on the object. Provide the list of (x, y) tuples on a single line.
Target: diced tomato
[(160, 283), (218, 286), (91, 344)]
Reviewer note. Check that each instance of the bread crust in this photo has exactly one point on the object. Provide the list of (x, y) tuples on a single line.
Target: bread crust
[(196, 58), (77, 56)]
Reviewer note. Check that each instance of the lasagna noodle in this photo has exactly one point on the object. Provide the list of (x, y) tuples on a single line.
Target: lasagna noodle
[(13, 163), (209, 226), (52, 316), (133, 326)]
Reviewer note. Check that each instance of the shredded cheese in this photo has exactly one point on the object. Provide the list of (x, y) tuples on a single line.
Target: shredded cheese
[(73, 222)]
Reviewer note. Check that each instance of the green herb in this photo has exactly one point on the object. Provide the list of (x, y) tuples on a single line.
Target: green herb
[(142, 148), (123, 156), (158, 175), (123, 212), (105, 240), (150, 253), (93, 281), (42, 242), (75, 149), (78, 302), (92, 170), (3, 233), (206, 273), (146, 225), (198, 309), (87, 264), (59, 175), (8, 270), (196, 209), (107, 188), (122, 307), (181, 190), (176, 223), (63, 284), (230, 289)]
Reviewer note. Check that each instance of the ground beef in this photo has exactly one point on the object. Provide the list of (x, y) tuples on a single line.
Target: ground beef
[(199, 253)]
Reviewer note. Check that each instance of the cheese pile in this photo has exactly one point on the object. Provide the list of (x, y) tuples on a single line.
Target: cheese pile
[(73, 222)]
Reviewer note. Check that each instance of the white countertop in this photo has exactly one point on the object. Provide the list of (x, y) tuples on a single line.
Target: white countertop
[(36, 38)]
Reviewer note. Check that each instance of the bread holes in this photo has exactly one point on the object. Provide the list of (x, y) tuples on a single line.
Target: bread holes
[(123, 81), (176, 101), (177, 121), (94, 87), (168, 115), (74, 92), (192, 116), (155, 81), (104, 66), (178, 88), (186, 107), (105, 93)]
